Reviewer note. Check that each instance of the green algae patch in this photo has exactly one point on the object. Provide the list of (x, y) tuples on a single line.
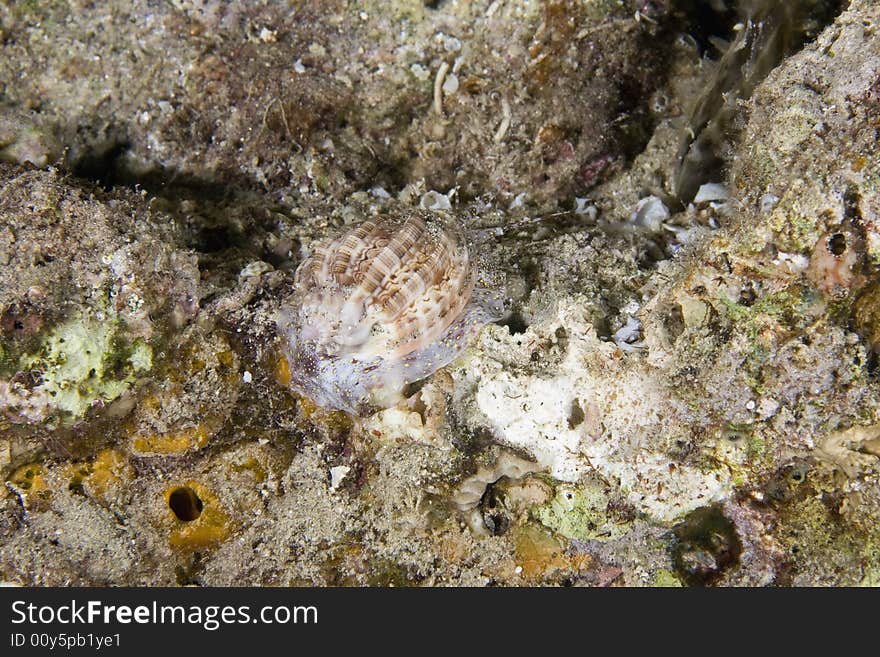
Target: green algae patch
[(666, 580), (581, 513), (871, 579), (783, 307), (5, 360), (85, 360)]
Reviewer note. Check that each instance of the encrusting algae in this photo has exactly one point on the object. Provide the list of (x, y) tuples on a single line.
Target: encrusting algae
[(490, 293)]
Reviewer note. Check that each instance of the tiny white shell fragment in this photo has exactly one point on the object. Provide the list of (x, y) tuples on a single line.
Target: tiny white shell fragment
[(451, 44), (450, 84), (420, 71), (650, 213), (627, 337), (337, 474), (254, 269), (584, 207), (631, 308), (711, 192), (519, 201), (432, 200), (768, 202)]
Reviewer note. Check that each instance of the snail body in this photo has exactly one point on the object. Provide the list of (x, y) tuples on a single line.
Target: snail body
[(381, 306)]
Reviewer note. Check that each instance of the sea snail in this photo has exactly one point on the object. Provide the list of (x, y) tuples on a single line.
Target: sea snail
[(381, 306)]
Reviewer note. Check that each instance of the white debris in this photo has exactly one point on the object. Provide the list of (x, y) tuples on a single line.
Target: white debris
[(581, 207), (711, 192), (767, 408), (247, 377), (420, 71), (438, 88), (768, 202), (631, 308), (506, 118), (450, 43), (650, 213), (628, 337), (450, 84), (298, 66), (379, 192), (433, 200), (624, 405), (518, 201), (255, 269), (337, 474), (794, 262), (684, 235)]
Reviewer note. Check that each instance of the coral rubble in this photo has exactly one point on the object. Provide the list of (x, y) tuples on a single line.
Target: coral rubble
[(685, 207)]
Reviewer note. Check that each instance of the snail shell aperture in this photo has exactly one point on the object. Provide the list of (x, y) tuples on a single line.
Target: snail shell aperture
[(383, 305)]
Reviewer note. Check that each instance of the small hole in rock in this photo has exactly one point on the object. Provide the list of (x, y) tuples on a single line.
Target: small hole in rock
[(837, 244), (747, 295), (561, 338), (673, 321), (515, 323), (575, 415), (706, 546), (185, 504)]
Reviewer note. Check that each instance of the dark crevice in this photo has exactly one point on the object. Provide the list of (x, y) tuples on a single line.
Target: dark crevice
[(515, 323), (706, 546), (204, 226), (109, 168), (706, 23), (99, 165), (495, 516), (113, 161), (576, 415), (214, 239), (837, 244), (762, 33)]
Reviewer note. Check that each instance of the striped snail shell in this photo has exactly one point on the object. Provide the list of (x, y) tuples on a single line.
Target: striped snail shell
[(383, 305)]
